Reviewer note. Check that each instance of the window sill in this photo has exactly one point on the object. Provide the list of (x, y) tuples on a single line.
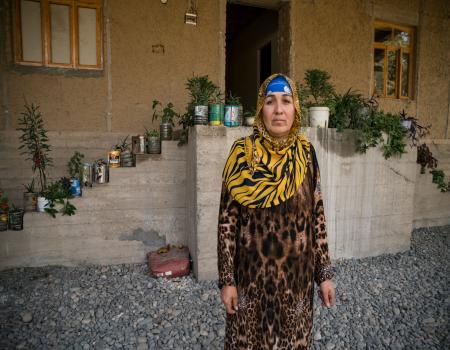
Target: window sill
[(68, 72)]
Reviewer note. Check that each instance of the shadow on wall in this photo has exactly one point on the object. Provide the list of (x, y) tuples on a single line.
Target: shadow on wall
[(149, 238)]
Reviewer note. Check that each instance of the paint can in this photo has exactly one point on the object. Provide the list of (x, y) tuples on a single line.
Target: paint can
[(75, 187), (101, 171), (3, 220), (233, 115), (138, 144), (216, 112), (201, 115), (87, 175), (114, 159)]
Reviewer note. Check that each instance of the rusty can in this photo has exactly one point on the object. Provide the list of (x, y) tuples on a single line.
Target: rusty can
[(114, 159)]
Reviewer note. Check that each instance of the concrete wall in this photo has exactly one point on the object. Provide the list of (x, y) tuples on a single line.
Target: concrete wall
[(139, 210), (119, 98), (369, 201), (337, 36)]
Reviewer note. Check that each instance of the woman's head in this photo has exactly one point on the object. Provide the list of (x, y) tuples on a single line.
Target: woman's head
[(278, 111)]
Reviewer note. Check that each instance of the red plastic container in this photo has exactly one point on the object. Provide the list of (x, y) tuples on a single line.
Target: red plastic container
[(174, 263)]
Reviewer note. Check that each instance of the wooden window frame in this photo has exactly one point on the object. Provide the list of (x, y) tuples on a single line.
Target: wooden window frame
[(74, 5), (398, 71)]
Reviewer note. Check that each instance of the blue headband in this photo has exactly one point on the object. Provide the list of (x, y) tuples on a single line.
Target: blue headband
[(278, 84)]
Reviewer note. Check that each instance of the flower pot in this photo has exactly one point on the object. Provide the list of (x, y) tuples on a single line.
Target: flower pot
[(153, 145), (201, 115), (126, 159), (114, 159), (233, 115), (216, 112), (41, 204), (249, 121), (138, 144), (101, 172), (318, 117), (87, 174), (29, 201), (3, 220), (406, 123), (15, 220), (165, 130)]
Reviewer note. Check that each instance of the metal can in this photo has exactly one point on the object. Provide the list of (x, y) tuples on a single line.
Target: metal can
[(114, 159), (75, 187)]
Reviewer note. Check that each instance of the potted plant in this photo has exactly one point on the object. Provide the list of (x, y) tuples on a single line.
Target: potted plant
[(29, 197), (34, 141), (4, 208), (321, 90), (216, 109), (201, 91), (348, 111), (15, 218), (249, 117), (58, 194), (75, 166), (167, 115), (126, 156), (153, 141), (233, 111)]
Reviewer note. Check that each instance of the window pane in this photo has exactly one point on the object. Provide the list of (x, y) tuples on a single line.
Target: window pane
[(60, 33), (405, 74), (378, 68), (87, 34), (401, 38), (383, 35), (31, 31), (392, 68)]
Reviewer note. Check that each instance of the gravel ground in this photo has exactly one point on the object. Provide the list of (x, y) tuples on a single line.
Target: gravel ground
[(399, 301)]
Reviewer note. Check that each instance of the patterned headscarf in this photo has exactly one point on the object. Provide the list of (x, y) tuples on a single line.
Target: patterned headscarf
[(262, 171)]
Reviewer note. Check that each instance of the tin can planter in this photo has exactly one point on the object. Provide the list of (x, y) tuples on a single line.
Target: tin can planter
[(126, 159), (138, 144), (75, 187), (87, 174), (165, 131), (29, 201), (41, 204), (233, 115), (3, 220), (216, 113), (114, 159), (201, 115), (153, 145), (101, 172), (15, 219), (249, 121)]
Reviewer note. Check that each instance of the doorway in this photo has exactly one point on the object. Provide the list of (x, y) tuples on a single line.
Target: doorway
[(251, 50)]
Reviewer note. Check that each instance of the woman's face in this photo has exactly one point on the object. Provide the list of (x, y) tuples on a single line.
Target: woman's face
[(278, 114)]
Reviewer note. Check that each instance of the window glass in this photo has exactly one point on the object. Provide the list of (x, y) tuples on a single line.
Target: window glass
[(379, 70), (60, 33), (87, 34), (30, 19), (401, 38), (383, 35), (391, 76), (405, 74)]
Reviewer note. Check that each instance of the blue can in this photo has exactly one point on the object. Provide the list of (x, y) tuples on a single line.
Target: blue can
[(75, 187)]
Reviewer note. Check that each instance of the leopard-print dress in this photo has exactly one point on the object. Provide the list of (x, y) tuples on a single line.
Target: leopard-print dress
[(273, 256)]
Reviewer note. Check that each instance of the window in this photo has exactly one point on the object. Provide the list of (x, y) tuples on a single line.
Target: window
[(59, 33), (393, 58)]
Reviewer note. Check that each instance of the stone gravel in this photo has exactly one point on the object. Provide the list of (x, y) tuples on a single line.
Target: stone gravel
[(395, 301)]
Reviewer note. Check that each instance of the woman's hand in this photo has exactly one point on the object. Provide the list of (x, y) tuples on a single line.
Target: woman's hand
[(327, 293), (229, 298)]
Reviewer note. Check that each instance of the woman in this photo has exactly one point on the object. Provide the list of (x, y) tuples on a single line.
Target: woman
[(272, 241)]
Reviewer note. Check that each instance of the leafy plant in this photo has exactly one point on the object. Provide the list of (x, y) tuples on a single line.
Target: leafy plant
[(371, 134), (29, 188), (123, 145), (58, 192), (217, 97), (152, 133), (34, 140), (348, 111), (166, 114), (415, 131), (425, 158), (232, 99), (318, 86), (438, 178), (201, 91), (75, 165), (302, 93)]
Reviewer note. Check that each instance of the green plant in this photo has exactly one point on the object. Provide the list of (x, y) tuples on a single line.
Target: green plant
[(151, 133), (439, 179), (123, 145), (75, 165), (166, 114), (232, 99), (58, 192), (29, 188), (302, 93), (217, 97), (348, 110), (319, 87), (201, 91), (34, 140), (371, 134)]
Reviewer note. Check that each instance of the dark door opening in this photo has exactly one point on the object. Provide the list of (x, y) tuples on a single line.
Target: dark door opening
[(251, 50)]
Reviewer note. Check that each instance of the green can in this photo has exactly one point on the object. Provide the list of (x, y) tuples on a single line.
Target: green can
[(216, 112)]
